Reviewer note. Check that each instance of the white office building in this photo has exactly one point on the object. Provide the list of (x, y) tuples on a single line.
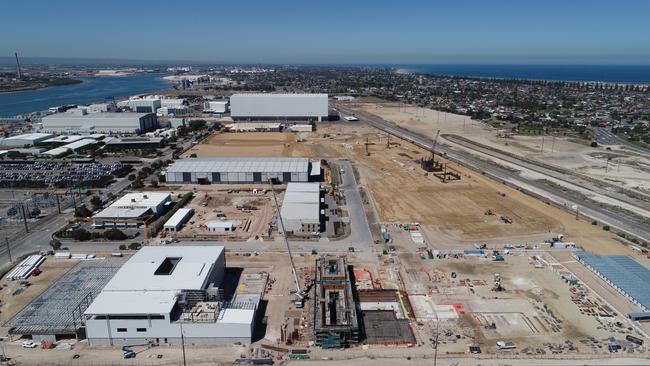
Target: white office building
[(141, 105), (271, 106), (78, 121), (164, 290), (215, 106), (301, 208), (133, 209)]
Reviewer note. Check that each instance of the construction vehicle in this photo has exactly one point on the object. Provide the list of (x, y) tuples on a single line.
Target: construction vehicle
[(506, 219), (299, 293), (502, 345), (488, 213), (497, 287)]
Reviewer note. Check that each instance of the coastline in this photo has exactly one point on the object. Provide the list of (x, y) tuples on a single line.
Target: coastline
[(40, 86), (603, 74), (93, 89)]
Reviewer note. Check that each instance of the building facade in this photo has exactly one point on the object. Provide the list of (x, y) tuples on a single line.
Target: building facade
[(78, 121), (163, 292), (270, 106), (237, 170)]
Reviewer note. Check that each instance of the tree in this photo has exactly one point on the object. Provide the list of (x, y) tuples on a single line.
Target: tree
[(594, 144), (196, 124), (135, 246), (122, 247), (154, 184), (81, 235), (114, 234), (132, 177), (82, 211), (96, 202), (55, 244), (137, 184)]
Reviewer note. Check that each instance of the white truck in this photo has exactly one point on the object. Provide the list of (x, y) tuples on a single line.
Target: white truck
[(502, 346)]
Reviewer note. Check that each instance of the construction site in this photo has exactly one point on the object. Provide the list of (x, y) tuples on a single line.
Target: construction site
[(438, 260)]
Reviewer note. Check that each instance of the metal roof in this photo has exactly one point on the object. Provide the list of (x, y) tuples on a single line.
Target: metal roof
[(240, 165), (132, 302), (80, 143), (178, 217), (122, 213), (190, 273), (141, 199), (301, 201), (626, 274)]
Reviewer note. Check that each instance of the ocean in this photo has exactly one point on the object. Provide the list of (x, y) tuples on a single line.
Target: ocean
[(628, 74), (94, 89)]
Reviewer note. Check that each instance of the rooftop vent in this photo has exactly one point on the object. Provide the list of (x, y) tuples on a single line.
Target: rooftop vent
[(167, 266)]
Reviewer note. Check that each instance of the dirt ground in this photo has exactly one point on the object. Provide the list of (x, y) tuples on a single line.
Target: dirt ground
[(252, 211), (626, 167), (10, 304), (245, 144), (451, 214)]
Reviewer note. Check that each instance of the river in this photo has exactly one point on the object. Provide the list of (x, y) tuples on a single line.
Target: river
[(92, 89)]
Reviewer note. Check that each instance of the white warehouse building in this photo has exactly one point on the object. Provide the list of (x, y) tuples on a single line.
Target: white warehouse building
[(236, 170), (28, 139), (301, 208), (271, 106), (78, 121), (163, 291)]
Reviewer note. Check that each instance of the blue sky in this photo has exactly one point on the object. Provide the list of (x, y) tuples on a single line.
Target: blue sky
[(332, 31)]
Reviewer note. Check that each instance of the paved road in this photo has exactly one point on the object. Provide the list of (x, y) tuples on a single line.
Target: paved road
[(39, 236), (630, 225), (606, 137), (360, 237), (639, 203)]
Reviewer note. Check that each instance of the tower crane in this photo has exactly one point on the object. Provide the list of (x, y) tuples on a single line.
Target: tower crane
[(300, 294)]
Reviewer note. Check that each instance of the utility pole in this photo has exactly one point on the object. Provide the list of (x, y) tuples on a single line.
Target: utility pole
[(8, 248), (22, 209), (183, 345), (542, 143), (58, 203)]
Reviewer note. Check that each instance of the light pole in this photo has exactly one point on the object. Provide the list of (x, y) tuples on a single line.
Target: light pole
[(183, 345)]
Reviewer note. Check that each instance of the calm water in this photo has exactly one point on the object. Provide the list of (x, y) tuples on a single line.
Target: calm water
[(91, 90), (603, 73)]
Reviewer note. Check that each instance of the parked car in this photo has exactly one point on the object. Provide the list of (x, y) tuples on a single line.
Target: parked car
[(29, 344)]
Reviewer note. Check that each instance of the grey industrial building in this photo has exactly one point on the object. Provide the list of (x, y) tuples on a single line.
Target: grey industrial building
[(276, 106), (134, 143), (240, 170), (77, 121), (163, 291), (301, 208)]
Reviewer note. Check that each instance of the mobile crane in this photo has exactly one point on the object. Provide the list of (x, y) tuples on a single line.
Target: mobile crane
[(300, 294)]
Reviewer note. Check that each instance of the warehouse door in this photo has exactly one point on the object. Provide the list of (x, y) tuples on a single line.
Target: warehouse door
[(286, 177), (216, 177), (187, 177), (257, 177)]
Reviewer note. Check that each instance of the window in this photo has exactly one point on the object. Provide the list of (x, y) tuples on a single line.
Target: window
[(121, 330), (142, 329)]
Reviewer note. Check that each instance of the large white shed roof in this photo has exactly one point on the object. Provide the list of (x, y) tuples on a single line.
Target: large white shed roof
[(240, 165)]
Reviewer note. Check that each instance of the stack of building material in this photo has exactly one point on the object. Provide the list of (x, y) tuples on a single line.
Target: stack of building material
[(26, 267)]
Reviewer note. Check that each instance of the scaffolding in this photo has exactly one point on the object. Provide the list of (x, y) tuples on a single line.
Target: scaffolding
[(335, 310), (58, 311)]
